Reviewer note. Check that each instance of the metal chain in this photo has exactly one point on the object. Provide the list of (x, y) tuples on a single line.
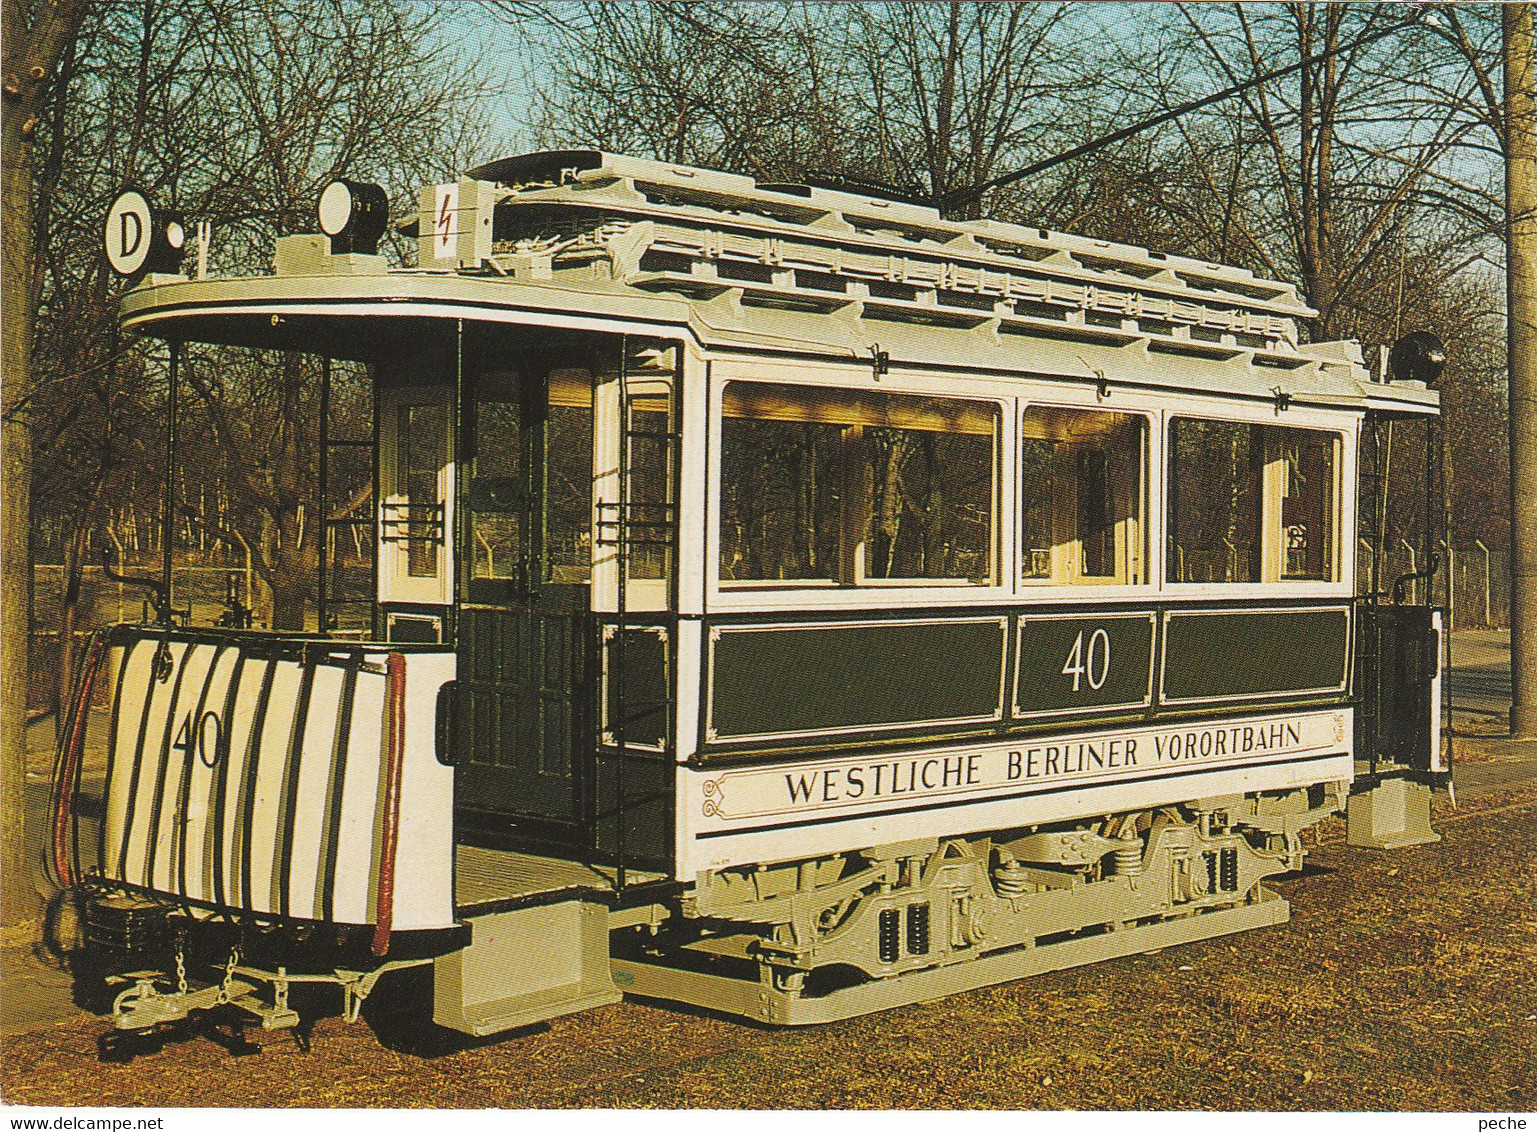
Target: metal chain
[(181, 966), (229, 974)]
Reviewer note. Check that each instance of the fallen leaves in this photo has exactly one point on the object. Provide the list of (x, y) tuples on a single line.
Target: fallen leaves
[(1396, 986)]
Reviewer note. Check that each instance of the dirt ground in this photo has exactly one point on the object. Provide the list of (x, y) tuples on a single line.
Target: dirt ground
[(1404, 981)]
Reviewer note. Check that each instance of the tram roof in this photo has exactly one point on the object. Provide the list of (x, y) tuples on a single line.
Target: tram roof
[(600, 241)]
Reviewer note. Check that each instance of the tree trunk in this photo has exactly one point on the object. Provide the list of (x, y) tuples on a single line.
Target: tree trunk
[(944, 111), (1521, 300), (293, 567), (17, 902), (288, 605), (31, 53)]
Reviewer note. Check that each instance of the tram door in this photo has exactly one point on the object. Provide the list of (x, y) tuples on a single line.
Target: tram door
[(1399, 642), (524, 677)]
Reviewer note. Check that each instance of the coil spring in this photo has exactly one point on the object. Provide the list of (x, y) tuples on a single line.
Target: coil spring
[(1128, 859), (1010, 878), (917, 929), (888, 942), (1228, 865)]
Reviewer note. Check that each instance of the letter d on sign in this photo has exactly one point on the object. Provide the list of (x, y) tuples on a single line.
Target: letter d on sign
[(132, 233), (127, 232)]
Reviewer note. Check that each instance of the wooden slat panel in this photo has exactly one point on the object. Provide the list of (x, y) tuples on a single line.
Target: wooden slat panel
[(250, 775)]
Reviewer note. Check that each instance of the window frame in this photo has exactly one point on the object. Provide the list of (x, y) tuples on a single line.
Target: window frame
[(642, 594), (1271, 581), (395, 584), (1273, 538), (1071, 580), (1016, 393), (864, 592)]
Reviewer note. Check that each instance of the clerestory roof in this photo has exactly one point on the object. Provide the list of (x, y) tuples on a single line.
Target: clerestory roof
[(795, 268)]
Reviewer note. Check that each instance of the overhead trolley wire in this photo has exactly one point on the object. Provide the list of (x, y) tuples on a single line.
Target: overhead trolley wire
[(972, 192)]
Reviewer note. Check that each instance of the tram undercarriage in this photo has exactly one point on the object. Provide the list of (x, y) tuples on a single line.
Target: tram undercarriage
[(816, 941), (790, 944)]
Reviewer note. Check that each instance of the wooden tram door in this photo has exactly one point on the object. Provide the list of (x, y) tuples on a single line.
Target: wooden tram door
[(524, 675)]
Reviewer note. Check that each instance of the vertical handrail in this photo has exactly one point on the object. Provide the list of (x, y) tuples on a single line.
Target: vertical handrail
[(66, 773), (1382, 468), (168, 504), (394, 746), (323, 509), (375, 617), (622, 560), (454, 541), (1435, 513), (1369, 695), (1438, 524)]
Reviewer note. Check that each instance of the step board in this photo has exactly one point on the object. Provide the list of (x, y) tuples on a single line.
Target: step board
[(525, 965)]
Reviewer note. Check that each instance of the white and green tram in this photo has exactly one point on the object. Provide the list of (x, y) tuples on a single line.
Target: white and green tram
[(784, 601)]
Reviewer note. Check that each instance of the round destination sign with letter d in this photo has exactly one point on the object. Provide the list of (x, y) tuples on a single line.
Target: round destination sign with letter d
[(133, 232)]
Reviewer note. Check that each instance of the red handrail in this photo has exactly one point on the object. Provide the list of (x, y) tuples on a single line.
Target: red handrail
[(67, 767), (394, 747)]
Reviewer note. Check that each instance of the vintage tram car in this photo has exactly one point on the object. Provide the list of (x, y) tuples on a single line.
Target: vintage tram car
[(786, 601)]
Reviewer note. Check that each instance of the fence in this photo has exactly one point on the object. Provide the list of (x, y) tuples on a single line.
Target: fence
[(103, 601), (1472, 580)]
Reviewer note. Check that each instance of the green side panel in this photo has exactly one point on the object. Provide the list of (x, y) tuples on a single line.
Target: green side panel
[(641, 703), (775, 681), (1235, 654), (1071, 663), (648, 782)]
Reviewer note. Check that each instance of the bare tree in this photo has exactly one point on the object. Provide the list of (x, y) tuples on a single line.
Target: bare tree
[(237, 114), (742, 88), (949, 95), (1316, 177), (338, 88), (1521, 267), (936, 97), (130, 106), (35, 38), (1496, 45)]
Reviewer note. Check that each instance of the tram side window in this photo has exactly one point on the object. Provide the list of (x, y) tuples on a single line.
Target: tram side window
[(496, 489), (649, 371), (421, 441), (568, 478), (504, 496), (1306, 470), (1251, 503), (781, 500), (650, 485), (1214, 496), (843, 487), (1084, 492)]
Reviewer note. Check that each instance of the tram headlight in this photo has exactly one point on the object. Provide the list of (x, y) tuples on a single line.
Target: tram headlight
[(1417, 356), (354, 214)]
